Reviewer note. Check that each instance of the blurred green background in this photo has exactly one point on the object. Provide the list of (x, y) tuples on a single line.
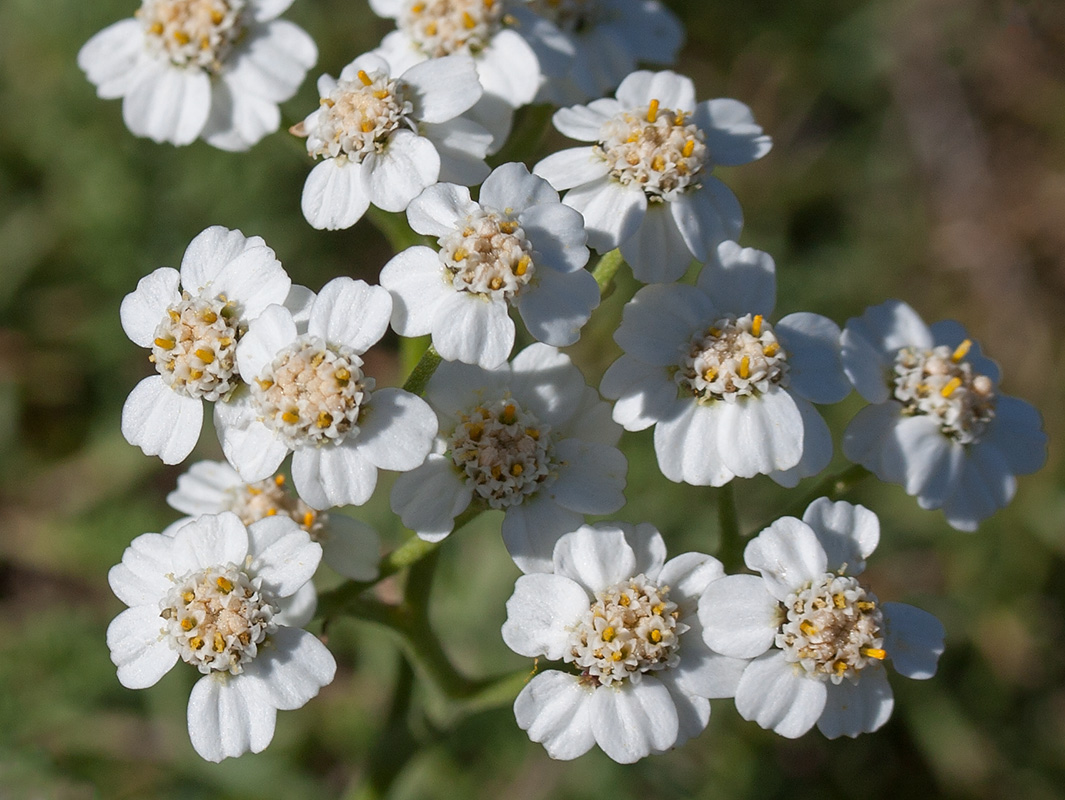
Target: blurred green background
[(919, 153)]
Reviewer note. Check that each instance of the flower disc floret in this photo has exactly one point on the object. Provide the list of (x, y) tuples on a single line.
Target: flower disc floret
[(312, 393), (733, 358), (503, 451), (267, 498), (656, 148), (833, 628), (358, 116), (193, 33), (442, 27), (217, 618), (489, 255), (630, 630), (941, 384), (195, 347)]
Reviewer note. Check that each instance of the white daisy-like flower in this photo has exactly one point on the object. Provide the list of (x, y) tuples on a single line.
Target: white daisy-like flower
[(230, 600), (937, 425), (192, 320), (644, 185), (729, 393), (818, 639), (512, 48), (309, 396), (518, 246), (529, 438), (214, 69), (610, 37), (384, 139), (637, 675), (349, 546)]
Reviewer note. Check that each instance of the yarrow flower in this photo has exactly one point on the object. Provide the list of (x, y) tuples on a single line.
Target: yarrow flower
[(529, 438), (309, 396), (192, 320), (210, 487), (230, 601), (637, 675), (214, 69), (729, 393), (817, 637), (609, 38), (383, 139), (938, 424), (645, 184), (516, 246)]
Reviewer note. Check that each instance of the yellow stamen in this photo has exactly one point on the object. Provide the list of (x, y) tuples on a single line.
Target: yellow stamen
[(325, 419), (710, 374), (181, 37), (658, 609), (156, 28), (225, 585), (497, 472), (508, 226), (381, 94), (217, 17), (205, 43), (533, 434), (658, 163), (474, 431), (188, 597), (325, 101), (756, 325), (188, 624), (689, 148), (206, 356), (174, 315), (656, 635), (745, 367), (196, 643), (617, 655), (209, 316), (680, 118), (807, 627), (715, 332), (317, 359), (367, 126), (195, 374), (509, 415), (417, 8), (166, 344), (961, 351), (516, 470), (840, 667), (219, 642), (522, 266), (469, 22), (364, 77), (343, 376), (308, 519), (271, 512), (874, 652), (652, 111), (609, 634), (461, 253), (264, 385), (489, 3), (496, 283), (279, 480), (430, 29), (950, 386), (865, 605), (771, 349), (291, 417), (624, 600)]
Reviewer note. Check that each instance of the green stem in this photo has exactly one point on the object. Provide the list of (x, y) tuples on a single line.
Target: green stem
[(730, 547), (606, 269), (423, 371)]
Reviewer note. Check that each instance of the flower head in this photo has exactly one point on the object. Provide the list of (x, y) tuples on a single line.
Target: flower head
[(817, 637), (938, 424), (214, 69), (229, 600), (636, 675), (644, 185), (730, 393), (516, 246), (529, 438)]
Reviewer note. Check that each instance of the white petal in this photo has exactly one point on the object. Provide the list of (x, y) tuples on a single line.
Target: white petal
[(238, 120), (913, 639), (657, 251), (777, 697), (984, 485), (556, 710), (541, 613), (273, 330), (139, 647), (250, 447), (593, 420), (144, 308), (351, 548), (926, 462), (659, 321), (869, 433), (273, 61), (707, 217), (333, 476), (558, 236), (462, 145), (572, 167), (512, 186), (815, 368), (595, 556), (397, 430), (397, 175), (334, 196), (612, 212), (855, 708), (952, 333), (739, 616), (297, 609), (634, 720), (591, 478), (141, 579), (211, 250), (255, 279), (227, 718), (693, 711), (647, 545), (761, 434), (788, 555), (169, 104), (532, 529), (583, 123), (557, 305), (704, 673), (1017, 433), (283, 555), (871, 341), (848, 533), (204, 489), (687, 577), (553, 401), (429, 498), (160, 421), (415, 279), (210, 541), (732, 136), (508, 68), (351, 313), (645, 394), (474, 330), (816, 446), (292, 670), (111, 58), (440, 209), (688, 444), (444, 87), (265, 10), (670, 89), (740, 280)]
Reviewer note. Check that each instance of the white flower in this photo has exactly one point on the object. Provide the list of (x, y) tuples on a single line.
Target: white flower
[(637, 673), (512, 48), (938, 425), (517, 246), (384, 139), (192, 321), (817, 637), (645, 183), (609, 38), (214, 69), (309, 395), (210, 487), (729, 393), (230, 601), (529, 438)]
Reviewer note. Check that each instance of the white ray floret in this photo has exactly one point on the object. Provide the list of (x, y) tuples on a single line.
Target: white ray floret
[(644, 184), (349, 546), (938, 424), (516, 246), (230, 600), (310, 396), (210, 69), (382, 139), (192, 320), (529, 438), (636, 676), (729, 393), (817, 639)]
